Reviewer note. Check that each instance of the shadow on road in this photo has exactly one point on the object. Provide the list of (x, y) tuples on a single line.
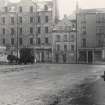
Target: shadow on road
[(87, 92)]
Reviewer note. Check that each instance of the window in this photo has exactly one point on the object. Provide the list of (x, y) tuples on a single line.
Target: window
[(73, 25), (31, 41), (12, 31), (100, 29), (6, 9), (39, 41), (65, 37), (45, 7), (46, 19), (31, 9), (72, 37), (65, 47), (20, 31), (72, 47), (12, 20), (46, 29), (12, 41), (39, 30), (3, 41), (3, 20), (46, 40), (3, 31), (20, 41), (83, 22), (57, 47), (83, 27), (39, 20), (100, 44), (31, 19), (31, 30), (84, 32), (20, 9), (83, 42), (100, 18), (20, 19), (58, 38)]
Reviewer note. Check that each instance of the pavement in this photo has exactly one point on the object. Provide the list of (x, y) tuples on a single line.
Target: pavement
[(46, 84)]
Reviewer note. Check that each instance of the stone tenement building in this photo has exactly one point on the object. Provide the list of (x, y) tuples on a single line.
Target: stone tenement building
[(28, 24), (64, 42), (91, 35)]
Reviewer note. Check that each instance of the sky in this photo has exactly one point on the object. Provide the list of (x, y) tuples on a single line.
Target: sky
[(68, 6)]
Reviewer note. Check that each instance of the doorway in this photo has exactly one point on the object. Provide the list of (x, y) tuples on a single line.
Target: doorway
[(57, 58), (90, 57), (64, 58)]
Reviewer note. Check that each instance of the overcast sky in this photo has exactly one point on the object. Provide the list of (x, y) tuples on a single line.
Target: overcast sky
[(68, 6)]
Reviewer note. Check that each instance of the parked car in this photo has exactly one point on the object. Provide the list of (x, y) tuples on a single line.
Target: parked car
[(12, 58)]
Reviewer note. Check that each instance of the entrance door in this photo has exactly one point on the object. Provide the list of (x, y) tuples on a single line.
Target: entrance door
[(42, 56), (90, 57), (57, 58), (82, 57), (64, 58)]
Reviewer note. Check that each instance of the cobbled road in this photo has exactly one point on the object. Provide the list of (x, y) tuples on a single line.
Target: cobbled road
[(45, 84)]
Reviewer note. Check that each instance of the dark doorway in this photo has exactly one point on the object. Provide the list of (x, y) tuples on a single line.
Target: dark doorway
[(42, 56), (90, 57), (64, 58), (82, 57)]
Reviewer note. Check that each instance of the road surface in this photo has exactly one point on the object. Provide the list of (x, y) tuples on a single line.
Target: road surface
[(50, 84)]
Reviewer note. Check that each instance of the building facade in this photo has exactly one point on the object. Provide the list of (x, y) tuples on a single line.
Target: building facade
[(64, 42), (91, 35), (43, 47), (28, 24)]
